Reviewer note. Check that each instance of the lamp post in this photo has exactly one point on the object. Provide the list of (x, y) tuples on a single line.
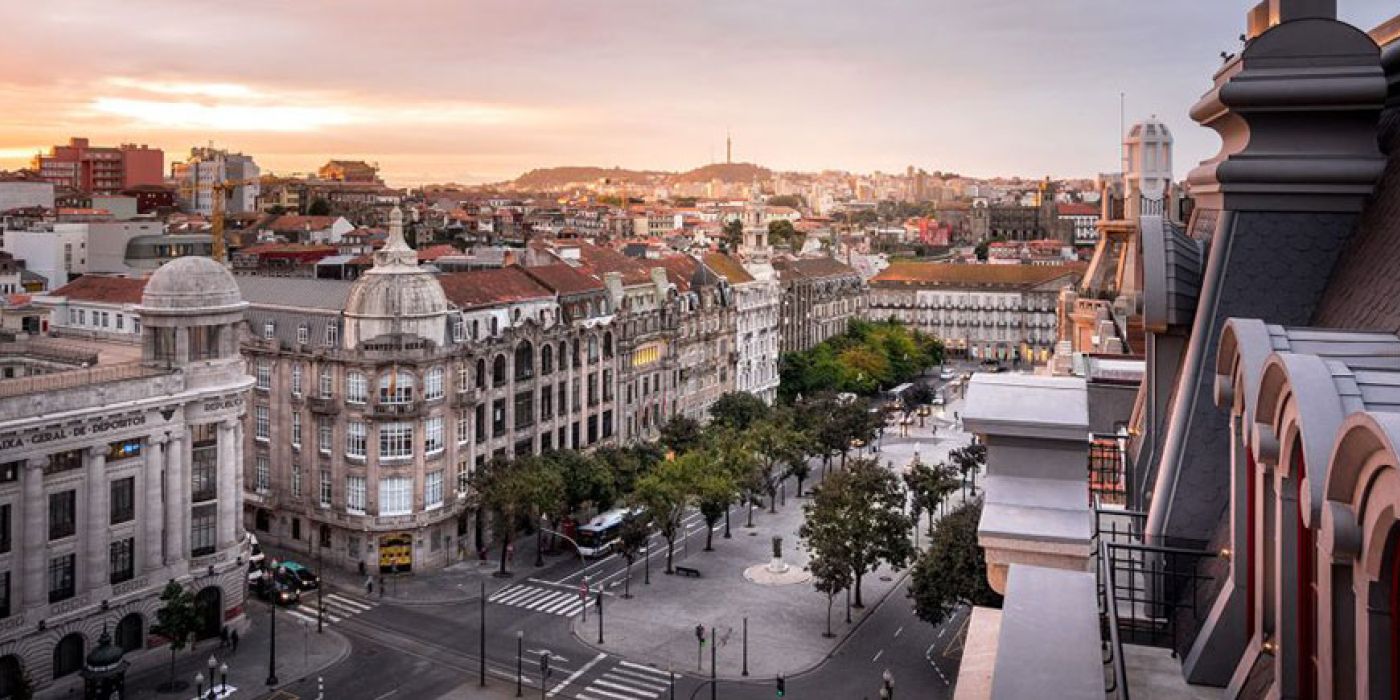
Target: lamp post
[(272, 643), (887, 685), (199, 685), (223, 677), (519, 662), (213, 665), (539, 541)]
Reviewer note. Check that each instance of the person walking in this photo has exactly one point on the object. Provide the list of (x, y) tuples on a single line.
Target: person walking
[(223, 637), (369, 585), (233, 637)]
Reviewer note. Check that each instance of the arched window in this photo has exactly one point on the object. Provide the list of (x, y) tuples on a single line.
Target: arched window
[(607, 346), (11, 676), (498, 371), (1307, 583), (577, 363), (524, 361), (396, 387), (495, 326), (481, 374), (129, 633), (563, 355), (68, 655), (546, 359)]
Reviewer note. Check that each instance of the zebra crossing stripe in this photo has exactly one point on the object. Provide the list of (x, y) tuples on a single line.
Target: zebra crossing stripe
[(607, 693), (351, 602), (507, 592), (560, 605), (633, 682), (540, 601), (634, 677), (664, 675)]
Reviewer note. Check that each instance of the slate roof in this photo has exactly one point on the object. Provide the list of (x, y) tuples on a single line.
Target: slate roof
[(478, 288), (294, 292), (107, 290), (1172, 267), (564, 279)]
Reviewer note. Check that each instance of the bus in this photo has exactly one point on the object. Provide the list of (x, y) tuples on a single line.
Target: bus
[(598, 537)]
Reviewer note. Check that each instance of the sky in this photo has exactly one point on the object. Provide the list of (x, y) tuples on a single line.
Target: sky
[(483, 90)]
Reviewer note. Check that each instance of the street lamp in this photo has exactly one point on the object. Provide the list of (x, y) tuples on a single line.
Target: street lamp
[(519, 662), (272, 643), (223, 677), (887, 685), (539, 541), (213, 665), (199, 685)]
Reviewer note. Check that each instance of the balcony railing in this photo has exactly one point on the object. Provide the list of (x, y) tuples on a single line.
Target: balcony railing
[(1108, 482), (396, 410), (68, 379)]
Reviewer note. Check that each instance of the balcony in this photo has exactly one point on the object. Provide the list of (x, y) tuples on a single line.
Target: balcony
[(324, 405), (411, 409), (465, 399)]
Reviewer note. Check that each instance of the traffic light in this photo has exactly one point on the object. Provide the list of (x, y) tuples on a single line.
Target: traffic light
[(700, 634), (782, 686)]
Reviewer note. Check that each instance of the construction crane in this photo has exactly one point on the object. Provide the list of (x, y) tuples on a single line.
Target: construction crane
[(219, 191)]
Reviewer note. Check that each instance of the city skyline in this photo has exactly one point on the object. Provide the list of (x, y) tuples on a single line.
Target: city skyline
[(441, 93)]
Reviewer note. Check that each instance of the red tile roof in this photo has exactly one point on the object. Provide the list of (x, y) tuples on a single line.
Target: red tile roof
[(727, 267), (1076, 209), (294, 222), (433, 252), (680, 269), (478, 288), (109, 290), (564, 279), (598, 261), (955, 274)]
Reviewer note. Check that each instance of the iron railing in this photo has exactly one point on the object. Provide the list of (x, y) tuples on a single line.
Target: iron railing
[(1116, 672), (1158, 593), (1108, 478)]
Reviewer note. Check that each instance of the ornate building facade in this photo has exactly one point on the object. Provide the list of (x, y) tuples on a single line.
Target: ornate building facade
[(820, 297), (120, 476)]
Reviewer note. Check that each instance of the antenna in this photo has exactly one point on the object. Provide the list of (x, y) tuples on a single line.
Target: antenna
[(1122, 136)]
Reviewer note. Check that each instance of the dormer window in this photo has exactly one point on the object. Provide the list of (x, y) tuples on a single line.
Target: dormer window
[(332, 334), (269, 329), (303, 334)]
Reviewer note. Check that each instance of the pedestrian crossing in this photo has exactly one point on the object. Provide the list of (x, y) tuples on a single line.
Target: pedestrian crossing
[(338, 607), (552, 601), (626, 681)]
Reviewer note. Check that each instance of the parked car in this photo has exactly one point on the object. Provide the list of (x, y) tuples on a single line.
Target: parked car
[(946, 374), (299, 575)]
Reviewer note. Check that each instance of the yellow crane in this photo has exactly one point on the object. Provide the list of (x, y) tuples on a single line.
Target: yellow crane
[(219, 191)]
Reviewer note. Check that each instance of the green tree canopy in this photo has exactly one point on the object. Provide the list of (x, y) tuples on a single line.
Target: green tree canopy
[(681, 434), (861, 509), (665, 492), (319, 207), (737, 410), (953, 571), (176, 620)]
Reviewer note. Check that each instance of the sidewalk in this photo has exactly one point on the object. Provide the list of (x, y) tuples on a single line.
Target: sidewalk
[(301, 654), (785, 623), (456, 583)]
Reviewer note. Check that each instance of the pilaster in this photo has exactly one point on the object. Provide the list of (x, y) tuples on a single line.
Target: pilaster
[(96, 518)]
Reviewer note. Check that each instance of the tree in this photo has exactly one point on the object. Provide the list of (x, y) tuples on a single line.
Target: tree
[(928, 486), (588, 481), (785, 200), (782, 232), (830, 575), (774, 445), (715, 490), (730, 455), (176, 620), (737, 410), (631, 539), (319, 207), (733, 235), (681, 434), (969, 460), (982, 246), (665, 492), (862, 509), (954, 570), (516, 490)]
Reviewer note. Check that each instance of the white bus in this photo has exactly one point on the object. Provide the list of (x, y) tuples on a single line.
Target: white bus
[(600, 535)]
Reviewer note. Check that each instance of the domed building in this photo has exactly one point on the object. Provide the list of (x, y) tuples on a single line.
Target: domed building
[(395, 297), (117, 476)]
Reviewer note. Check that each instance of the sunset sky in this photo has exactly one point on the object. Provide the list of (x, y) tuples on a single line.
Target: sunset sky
[(471, 91)]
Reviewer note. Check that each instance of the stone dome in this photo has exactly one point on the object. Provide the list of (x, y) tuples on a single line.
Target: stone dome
[(191, 283), (1149, 130), (396, 296)]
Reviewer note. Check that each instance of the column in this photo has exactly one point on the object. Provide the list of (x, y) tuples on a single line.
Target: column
[(35, 554), (153, 517), (97, 518), (176, 510), (228, 483)]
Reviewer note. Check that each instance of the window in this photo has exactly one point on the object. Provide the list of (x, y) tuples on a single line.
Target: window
[(296, 379), (355, 439), (123, 502), (463, 377), (464, 475), (6, 528), (607, 385), (459, 329), (396, 387), (481, 374), (324, 435), (61, 577), (4, 594), (261, 423), (327, 383), (264, 374), (296, 429), (546, 359), (121, 560), (480, 426), (463, 425), (433, 441), (356, 388), (498, 418), (524, 409), (262, 475), (325, 490), (62, 514), (395, 441), (546, 404), (303, 334), (498, 371), (332, 333), (395, 495), (355, 495), (202, 529), (432, 384), (296, 481), (524, 361), (432, 490), (269, 329)]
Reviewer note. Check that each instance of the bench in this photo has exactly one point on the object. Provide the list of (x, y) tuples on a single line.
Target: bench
[(687, 571)]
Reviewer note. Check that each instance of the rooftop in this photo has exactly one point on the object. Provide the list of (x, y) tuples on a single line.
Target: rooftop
[(964, 275), (478, 288), (107, 290)]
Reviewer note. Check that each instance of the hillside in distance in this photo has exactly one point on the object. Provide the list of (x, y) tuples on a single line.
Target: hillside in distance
[(546, 179), (725, 172)]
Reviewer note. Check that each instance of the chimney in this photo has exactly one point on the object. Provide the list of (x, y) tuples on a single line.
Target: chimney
[(509, 258)]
